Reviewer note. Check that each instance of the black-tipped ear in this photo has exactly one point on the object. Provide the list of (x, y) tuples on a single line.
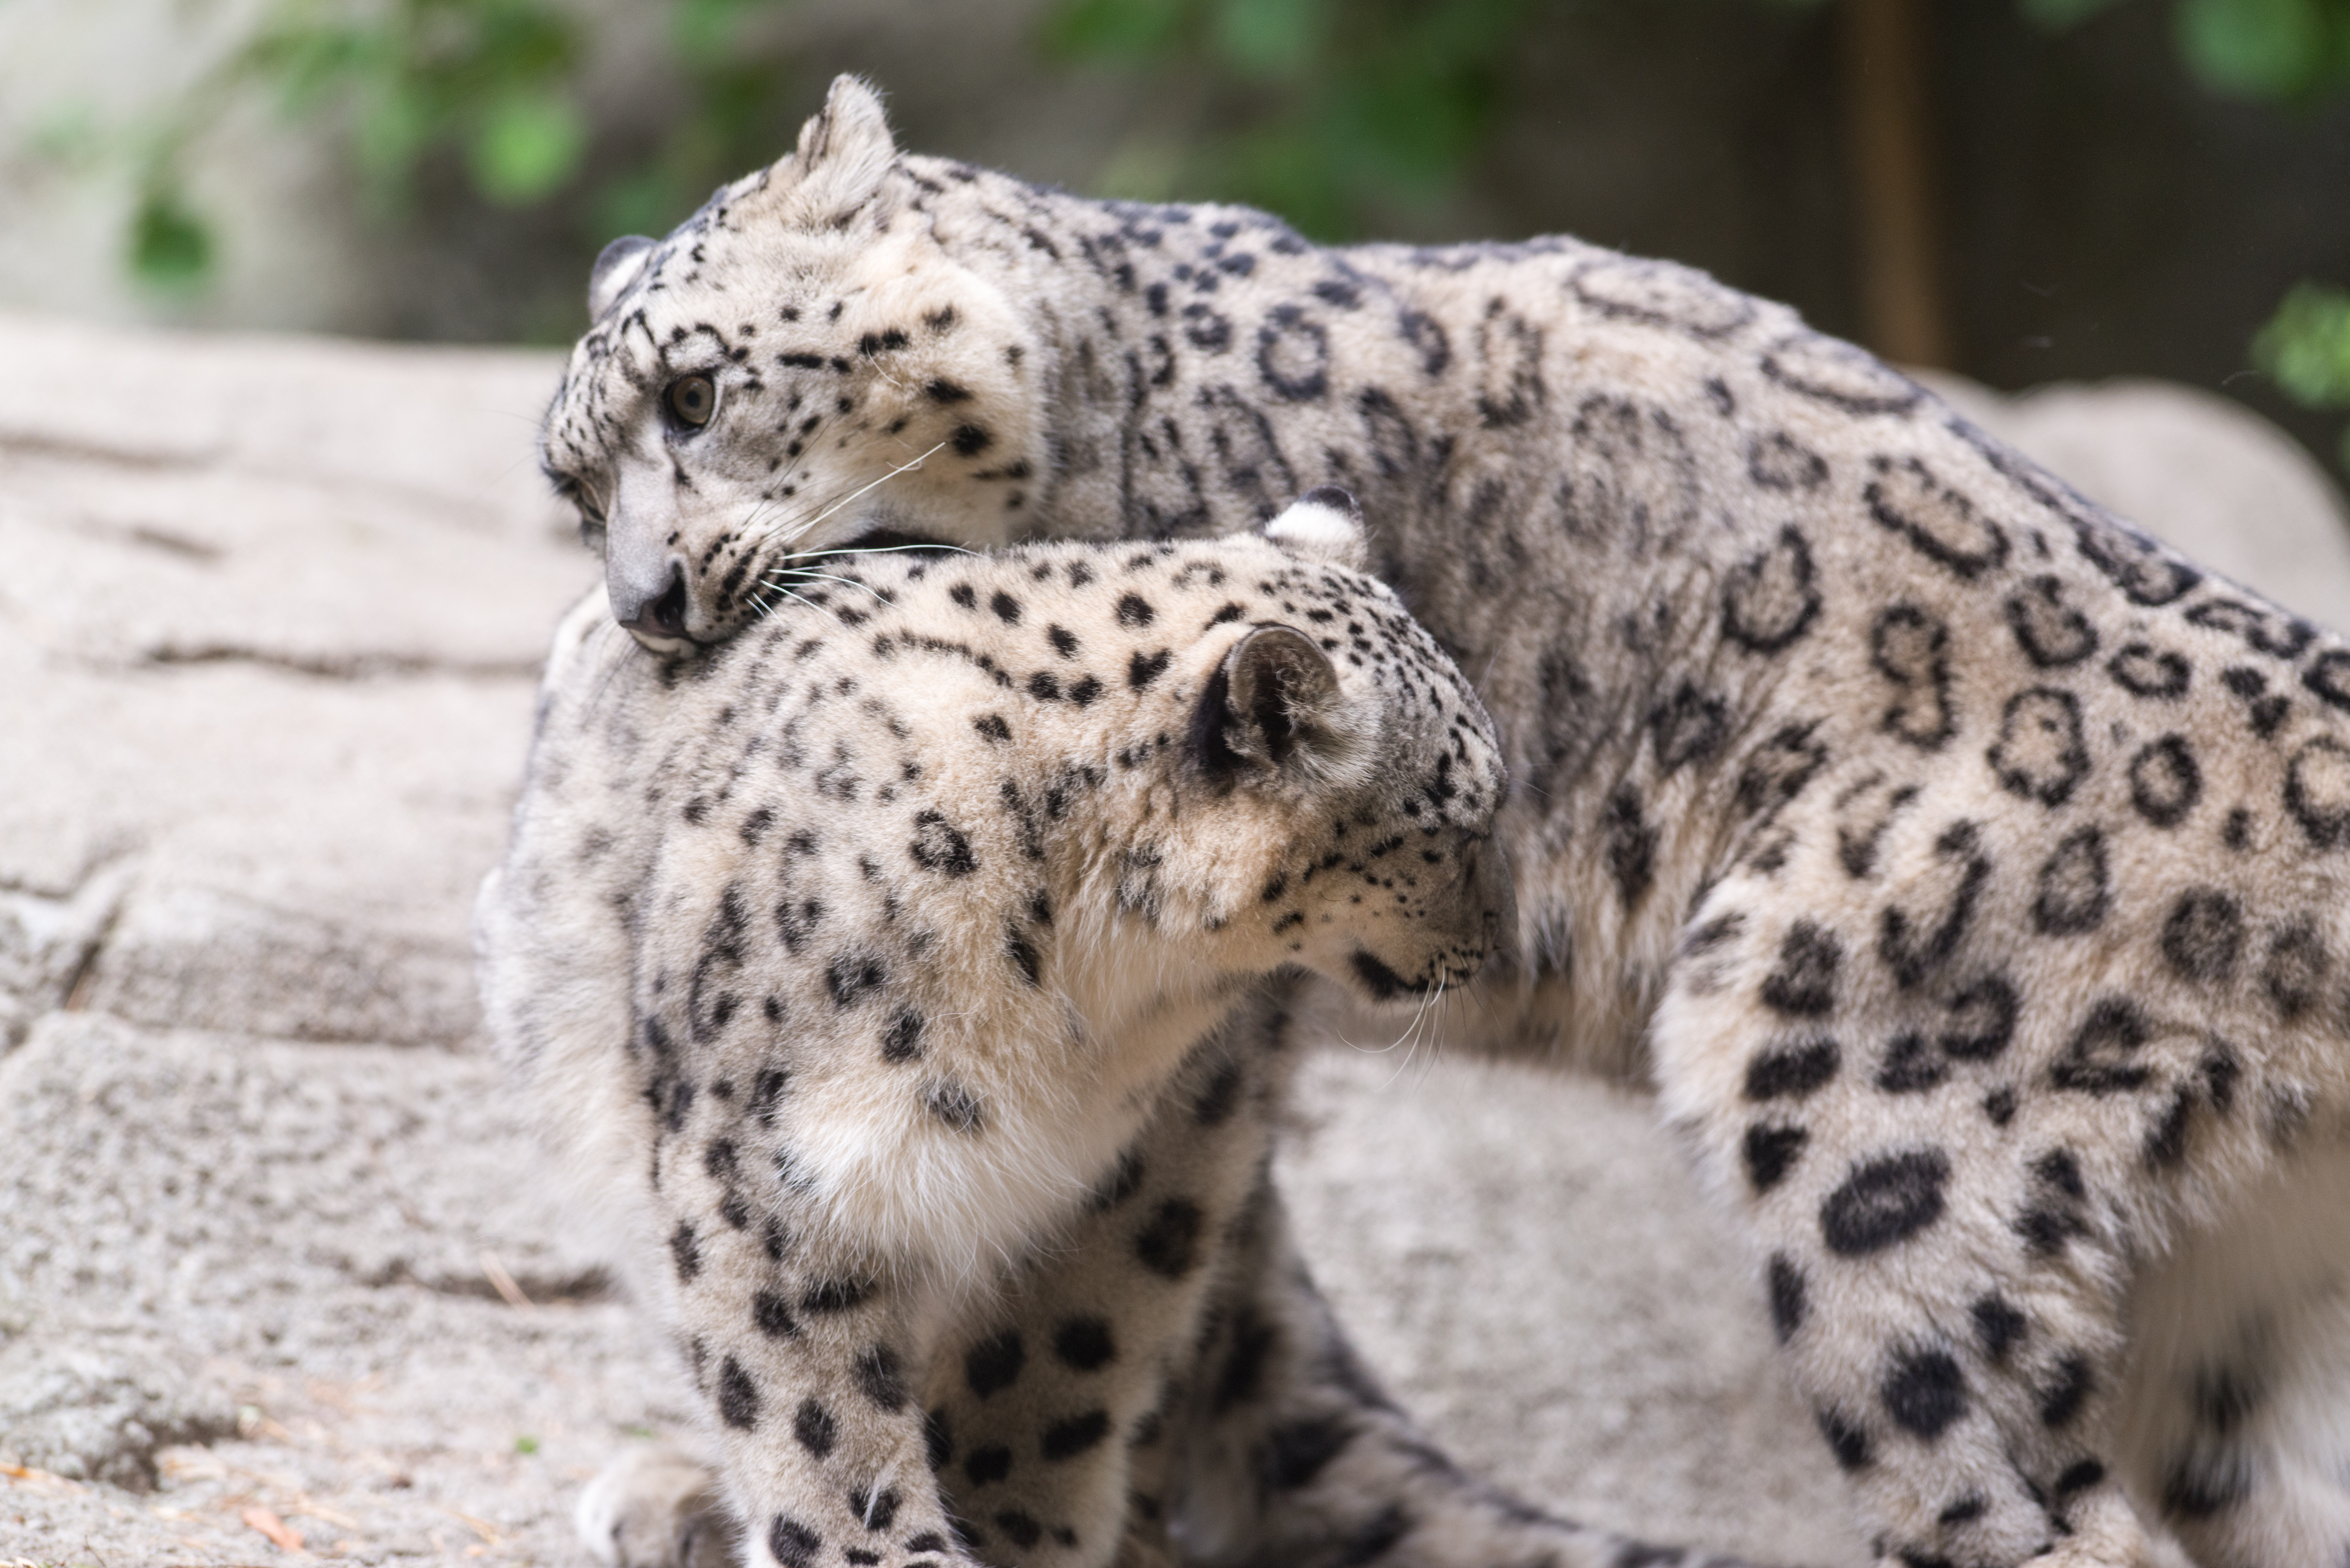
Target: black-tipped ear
[(618, 265), (1274, 707), (1324, 524)]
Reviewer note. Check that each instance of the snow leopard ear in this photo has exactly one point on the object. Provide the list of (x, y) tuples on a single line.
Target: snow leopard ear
[(844, 149), (1274, 711), (618, 266), (1324, 524)]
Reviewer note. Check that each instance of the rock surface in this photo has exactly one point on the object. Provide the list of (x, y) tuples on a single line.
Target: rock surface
[(270, 1259)]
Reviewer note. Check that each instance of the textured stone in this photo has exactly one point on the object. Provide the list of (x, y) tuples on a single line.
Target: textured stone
[(236, 1269), (267, 636)]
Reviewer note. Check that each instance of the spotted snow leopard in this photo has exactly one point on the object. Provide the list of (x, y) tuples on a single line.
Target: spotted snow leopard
[(891, 973), (1963, 867)]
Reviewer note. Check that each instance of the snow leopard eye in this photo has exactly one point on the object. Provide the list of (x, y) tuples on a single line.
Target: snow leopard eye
[(690, 401)]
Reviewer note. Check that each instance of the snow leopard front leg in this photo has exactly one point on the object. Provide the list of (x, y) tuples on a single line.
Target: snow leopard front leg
[(802, 1346), (1049, 1413), (1946, 1175), (1044, 1418)]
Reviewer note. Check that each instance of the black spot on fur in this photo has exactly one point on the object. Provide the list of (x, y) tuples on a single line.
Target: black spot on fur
[(1771, 1152), (1803, 986), (1911, 648), (1787, 1296), (903, 1041), (2295, 968), (994, 1363), (773, 1315), (2143, 669), (2317, 792), (1982, 1020), (1214, 1105), (1631, 846), (949, 1102), (1884, 1202), (2165, 782), (2204, 936), (815, 1429), (1168, 1244), (1925, 1392), (939, 845), (1791, 1069), (851, 977), (2062, 1400), (1916, 948), (793, 1544), (2052, 634), (2207, 1479), (1773, 597), (875, 1511), (1846, 1440), (879, 1378), (1689, 727), (2041, 754), (1065, 1440), (2074, 888), (1024, 955), (1998, 1326), (738, 1397), (1084, 1343), (834, 1296), (2097, 1062)]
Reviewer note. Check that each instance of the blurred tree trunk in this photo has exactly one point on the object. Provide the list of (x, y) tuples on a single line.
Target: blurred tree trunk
[(1888, 132)]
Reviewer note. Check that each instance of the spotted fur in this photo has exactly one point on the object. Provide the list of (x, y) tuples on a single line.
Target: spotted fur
[(884, 961), (1966, 868)]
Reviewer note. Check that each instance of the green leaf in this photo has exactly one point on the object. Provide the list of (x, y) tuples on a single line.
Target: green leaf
[(2255, 48), (527, 147), (2305, 347), (171, 244)]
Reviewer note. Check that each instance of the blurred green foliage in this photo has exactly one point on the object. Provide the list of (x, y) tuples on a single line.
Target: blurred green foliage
[(1332, 107), (494, 88)]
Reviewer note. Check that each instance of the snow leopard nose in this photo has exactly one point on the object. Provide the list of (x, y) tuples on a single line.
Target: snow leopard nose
[(653, 612)]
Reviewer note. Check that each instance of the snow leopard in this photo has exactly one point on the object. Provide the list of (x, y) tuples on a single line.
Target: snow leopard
[(898, 974), (1962, 866)]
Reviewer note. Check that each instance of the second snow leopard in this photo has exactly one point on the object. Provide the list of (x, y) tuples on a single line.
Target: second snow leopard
[(1967, 871)]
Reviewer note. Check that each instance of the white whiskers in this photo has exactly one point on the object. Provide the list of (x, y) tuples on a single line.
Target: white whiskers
[(906, 467)]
